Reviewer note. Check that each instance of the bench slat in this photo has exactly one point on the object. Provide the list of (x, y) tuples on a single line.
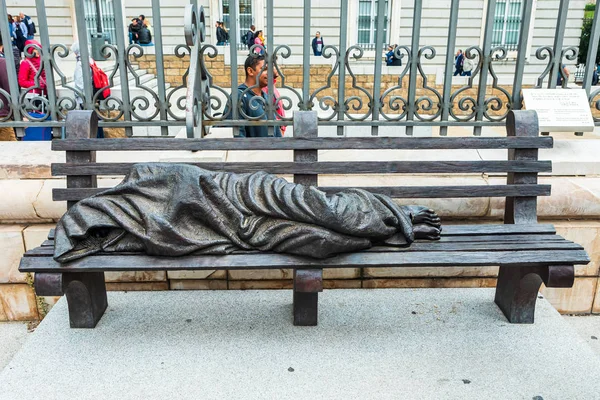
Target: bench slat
[(496, 229), (367, 167), (290, 143), (276, 261), (403, 192), (45, 251)]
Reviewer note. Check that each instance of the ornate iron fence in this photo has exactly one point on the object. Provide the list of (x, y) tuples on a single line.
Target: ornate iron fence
[(199, 100)]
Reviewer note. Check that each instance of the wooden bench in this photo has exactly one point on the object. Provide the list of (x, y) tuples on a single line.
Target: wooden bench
[(527, 253)]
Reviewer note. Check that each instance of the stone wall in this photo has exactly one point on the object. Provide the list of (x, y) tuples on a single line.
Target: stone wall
[(26, 216)]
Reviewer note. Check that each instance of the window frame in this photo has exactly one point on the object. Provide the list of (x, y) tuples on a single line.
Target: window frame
[(512, 54), (372, 27), (240, 35), (505, 18)]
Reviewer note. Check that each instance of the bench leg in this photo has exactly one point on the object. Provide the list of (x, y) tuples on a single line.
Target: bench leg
[(86, 297), (517, 288), (307, 285)]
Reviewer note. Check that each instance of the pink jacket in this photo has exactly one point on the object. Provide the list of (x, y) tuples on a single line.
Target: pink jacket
[(28, 70), (279, 111), (259, 42)]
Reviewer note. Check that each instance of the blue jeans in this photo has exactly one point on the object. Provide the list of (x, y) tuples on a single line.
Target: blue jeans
[(131, 40)]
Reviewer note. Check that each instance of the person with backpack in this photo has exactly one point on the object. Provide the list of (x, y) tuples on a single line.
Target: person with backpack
[(30, 25), (225, 31), (250, 36), (220, 34)]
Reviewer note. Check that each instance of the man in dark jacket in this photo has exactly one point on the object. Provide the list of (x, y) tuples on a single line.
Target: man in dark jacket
[(391, 59), (144, 36), (134, 30), (30, 25), (221, 34), (6, 133), (250, 36), (252, 108), (458, 63), (318, 44)]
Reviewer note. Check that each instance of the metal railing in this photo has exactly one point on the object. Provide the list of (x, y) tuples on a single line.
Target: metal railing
[(198, 101)]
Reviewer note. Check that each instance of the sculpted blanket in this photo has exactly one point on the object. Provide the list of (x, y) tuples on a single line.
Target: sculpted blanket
[(177, 209)]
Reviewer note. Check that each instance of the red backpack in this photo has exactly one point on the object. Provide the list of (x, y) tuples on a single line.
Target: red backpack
[(100, 80)]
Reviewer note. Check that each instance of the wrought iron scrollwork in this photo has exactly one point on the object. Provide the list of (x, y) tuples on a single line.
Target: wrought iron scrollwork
[(64, 104), (32, 100), (105, 107), (194, 29), (396, 102), (355, 102), (285, 100), (180, 52), (213, 107), (140, 102), (495, 103), (5, 101), (467, 103), (423, 102), (570, 53), (327, 103), (541, 54)]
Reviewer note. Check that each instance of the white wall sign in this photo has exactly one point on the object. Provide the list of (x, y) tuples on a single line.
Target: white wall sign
[(560, 110)]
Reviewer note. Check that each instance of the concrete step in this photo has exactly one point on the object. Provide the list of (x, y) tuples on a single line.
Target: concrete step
[(393, 343)]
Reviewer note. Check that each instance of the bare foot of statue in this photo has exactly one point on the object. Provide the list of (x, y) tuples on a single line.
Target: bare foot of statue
[(424, 215), (426, 231)]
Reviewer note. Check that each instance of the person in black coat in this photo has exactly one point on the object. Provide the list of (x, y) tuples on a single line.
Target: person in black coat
[(222, 35), (144, 36), (134, 30), (390, 57), (318, 44)]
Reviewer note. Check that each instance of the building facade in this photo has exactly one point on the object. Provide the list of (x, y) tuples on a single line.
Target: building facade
[(361, 26)]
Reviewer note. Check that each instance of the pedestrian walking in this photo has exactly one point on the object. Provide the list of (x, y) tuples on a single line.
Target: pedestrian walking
[(250, 36), (458, 63), (222, 35)]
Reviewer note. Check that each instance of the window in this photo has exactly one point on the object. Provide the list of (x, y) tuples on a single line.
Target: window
[(245, 19), (507, 23), (367, 22)]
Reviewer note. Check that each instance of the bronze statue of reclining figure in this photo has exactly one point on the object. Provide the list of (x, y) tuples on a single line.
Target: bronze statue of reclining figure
[(178, 209)]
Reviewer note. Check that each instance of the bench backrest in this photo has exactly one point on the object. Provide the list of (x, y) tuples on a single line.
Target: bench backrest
[(522, 165)]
